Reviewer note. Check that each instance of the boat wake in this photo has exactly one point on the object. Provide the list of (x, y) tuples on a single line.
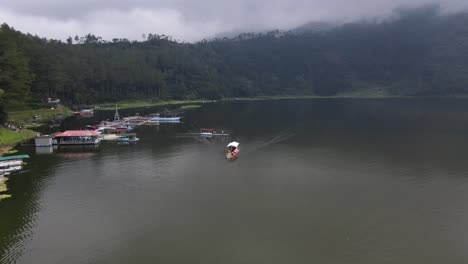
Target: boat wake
[(282, 136)]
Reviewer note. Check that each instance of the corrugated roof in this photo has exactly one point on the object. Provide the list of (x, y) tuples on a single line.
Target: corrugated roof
[(77, 133)]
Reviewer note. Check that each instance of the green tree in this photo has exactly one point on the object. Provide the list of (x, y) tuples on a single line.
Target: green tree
[(3, 114), (15, 77)]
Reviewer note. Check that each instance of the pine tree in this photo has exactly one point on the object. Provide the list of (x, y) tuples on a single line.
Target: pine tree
[(15, 77)]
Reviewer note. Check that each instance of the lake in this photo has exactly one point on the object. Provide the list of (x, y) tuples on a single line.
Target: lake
[(316, 181)]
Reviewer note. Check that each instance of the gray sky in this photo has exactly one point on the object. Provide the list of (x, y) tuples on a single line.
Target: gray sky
[(188, 20)]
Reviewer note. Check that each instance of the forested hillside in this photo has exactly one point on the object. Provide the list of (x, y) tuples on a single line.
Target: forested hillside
[(417, 52)]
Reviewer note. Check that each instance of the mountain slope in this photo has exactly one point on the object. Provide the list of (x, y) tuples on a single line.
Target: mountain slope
[(417, 52)]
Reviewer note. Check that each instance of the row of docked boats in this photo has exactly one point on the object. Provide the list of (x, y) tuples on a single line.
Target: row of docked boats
[(165, 116), (11, 164), (120, 129)]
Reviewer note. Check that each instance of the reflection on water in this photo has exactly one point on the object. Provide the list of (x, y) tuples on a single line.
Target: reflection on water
[(325, 181), (44, 150), (79, 155)]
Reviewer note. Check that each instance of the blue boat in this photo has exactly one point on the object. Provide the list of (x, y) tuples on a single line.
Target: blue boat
[(128, 138), (165, 119)]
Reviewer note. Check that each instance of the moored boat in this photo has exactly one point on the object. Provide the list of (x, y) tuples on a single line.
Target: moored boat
[(130, 138), (112, 134), (165, 119), (89, 127), (87, 112), (232, 150), (207, 132), (11, 163)]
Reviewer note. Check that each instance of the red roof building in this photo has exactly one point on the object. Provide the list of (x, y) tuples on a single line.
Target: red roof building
[(77, 137), (77, 133)]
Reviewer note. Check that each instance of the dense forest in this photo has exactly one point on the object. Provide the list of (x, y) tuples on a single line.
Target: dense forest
[(416, 52)]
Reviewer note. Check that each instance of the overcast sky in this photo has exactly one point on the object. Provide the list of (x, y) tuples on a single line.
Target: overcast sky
[(188, 20)]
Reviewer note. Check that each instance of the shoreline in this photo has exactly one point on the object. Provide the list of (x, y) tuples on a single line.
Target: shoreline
[(127, 104), (24, 117), (3, 188), (9, 139)]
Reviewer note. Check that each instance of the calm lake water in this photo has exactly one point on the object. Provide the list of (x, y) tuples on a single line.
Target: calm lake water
[(317, 181)]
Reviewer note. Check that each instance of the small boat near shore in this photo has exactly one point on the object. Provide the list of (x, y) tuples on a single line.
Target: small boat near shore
[(206, 133), (128, 138), (10, 164), (210, 132), (164, 119), (112, 134), (84, 113), (232, 150)]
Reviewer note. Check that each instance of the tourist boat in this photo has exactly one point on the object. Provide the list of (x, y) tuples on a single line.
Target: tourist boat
[(125, 127), (89, 127), (114, 124), (87, 112), (102, 128), (165, 119), (136, 120), (232, 150), (11, 163), (158, 118), (130, 138), (209, 132), (109, 137), (112, 134), (77, 137), (84, 112)]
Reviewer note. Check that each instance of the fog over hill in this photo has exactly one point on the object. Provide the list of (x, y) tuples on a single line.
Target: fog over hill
[(189, 20), (416, 51)]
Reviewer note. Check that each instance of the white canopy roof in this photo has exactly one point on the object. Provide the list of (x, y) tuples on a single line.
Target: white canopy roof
[(233, 144)]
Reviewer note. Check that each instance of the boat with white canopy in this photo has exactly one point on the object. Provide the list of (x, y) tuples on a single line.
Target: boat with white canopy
[(232, 150)]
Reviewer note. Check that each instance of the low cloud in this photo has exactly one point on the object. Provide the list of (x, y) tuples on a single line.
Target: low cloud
[(111, 23), (189, 20)]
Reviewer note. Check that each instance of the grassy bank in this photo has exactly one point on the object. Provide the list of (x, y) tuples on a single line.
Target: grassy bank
[(3, 188), (147, 103), (2, 184), (186, 104), (9, 138), (26, 117), (190, 106), (344, 95)]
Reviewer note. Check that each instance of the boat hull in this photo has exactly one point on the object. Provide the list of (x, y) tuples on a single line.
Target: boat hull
[(110, 137), (165, 119), (127, 140), (232, 155)]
